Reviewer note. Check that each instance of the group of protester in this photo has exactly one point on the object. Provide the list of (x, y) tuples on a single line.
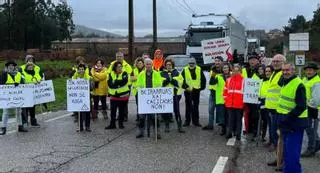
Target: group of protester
[(12, 74), (288, 104)]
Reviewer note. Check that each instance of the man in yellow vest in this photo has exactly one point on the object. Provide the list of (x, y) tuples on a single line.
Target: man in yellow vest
[(251, 114), (194, 82), (32, 74), (127, 68), (148, 78), (293, 117), (11, 76), (312, 78), (215, 69), (272, 97)]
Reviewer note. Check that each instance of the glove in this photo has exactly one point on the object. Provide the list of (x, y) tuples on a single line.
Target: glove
[(16, 84)]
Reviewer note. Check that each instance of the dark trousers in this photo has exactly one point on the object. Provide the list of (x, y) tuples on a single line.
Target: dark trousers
[(220, 114), (85, 117), (266, 120), (292, 144), (26, 112), (103, 100), (150, 122), (192, 107), (120, 106), (235, 122), (176, 110), (274, 127), (253, 118)]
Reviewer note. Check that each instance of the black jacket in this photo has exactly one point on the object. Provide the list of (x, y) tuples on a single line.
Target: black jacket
[(115, 84), (168, 80), (194, 76)]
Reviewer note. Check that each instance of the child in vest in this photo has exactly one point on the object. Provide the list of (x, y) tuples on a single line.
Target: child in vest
[(84, 116)]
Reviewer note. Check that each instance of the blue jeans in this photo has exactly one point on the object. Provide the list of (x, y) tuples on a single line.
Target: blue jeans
[(274, 120), (313, 138), (292, 144), (212, 106)]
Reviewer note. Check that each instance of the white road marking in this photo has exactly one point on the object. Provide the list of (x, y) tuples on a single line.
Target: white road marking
[(231, 141), (59, 117), (221, 163)]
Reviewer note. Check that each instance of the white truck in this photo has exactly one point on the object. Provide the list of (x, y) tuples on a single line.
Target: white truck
[(212, 26)]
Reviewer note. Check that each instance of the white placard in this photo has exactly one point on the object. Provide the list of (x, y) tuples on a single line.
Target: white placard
[(16, 97), (300, 60), (299, 42), (78, 95), (216, 47), (155, 100), (251, 91), (44, 92)]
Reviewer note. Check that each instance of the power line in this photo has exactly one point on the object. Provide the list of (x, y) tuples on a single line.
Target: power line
[(188, 6), (181, 6)]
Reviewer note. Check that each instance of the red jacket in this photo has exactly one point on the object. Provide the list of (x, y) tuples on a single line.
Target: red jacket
[(233, 92)]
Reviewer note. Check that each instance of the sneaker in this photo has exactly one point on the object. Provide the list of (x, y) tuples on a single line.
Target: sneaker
[(273, 163), (140, 136), (35, 125), (110, 127), (207, 127), (308, 153), (197, 125), (88, 130), (186, 124)]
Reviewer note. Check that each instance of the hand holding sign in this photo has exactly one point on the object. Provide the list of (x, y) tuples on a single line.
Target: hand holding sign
[(251, 91)]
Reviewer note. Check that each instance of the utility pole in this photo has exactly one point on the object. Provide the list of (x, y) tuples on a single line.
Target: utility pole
[(155, 35), (131, 30)]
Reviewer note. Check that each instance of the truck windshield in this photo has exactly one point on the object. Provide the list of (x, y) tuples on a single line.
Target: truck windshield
[(195, 38)]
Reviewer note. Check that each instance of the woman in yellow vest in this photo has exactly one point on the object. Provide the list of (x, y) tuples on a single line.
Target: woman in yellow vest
[(11, 76), (310, 80), (119, 92), (173, 79), (84, 116), (266, 118), (32, 75), (100, 87), (139, 67)]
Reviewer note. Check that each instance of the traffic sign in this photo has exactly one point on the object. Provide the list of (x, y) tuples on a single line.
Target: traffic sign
[(299, 42), (300, 60)]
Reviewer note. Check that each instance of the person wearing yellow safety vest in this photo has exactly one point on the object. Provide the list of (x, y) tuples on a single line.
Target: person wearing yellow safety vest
[(251, 111), (217, 67), (266, 119), (79, 60), (272, 97), (100, 88), (148, 78), (126, 68), (173, 79), (293, 117), (310, 80), (194, 82), (119, 92), (139, 67), (84, 116), (32, 75), (11, 76)]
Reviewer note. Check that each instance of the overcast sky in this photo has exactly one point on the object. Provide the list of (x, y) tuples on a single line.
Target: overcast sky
[(173, 16)]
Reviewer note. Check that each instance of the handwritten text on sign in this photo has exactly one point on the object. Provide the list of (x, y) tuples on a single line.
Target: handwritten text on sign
[(44, 92), (155, 100), (251, 91), (78, 95), (215, 47), (16, 97)]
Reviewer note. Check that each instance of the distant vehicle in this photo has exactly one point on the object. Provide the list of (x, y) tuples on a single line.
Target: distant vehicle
[(253, 45), (213, 26), (180, 61)]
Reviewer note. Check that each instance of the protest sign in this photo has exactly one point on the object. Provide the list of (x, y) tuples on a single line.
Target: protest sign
[(155, 100), (78, 95), (16, 96), (216, 47), (251, 91), (44, 92)]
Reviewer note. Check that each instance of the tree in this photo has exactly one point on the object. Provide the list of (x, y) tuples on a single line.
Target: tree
[(64, 20), (298, 24)]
